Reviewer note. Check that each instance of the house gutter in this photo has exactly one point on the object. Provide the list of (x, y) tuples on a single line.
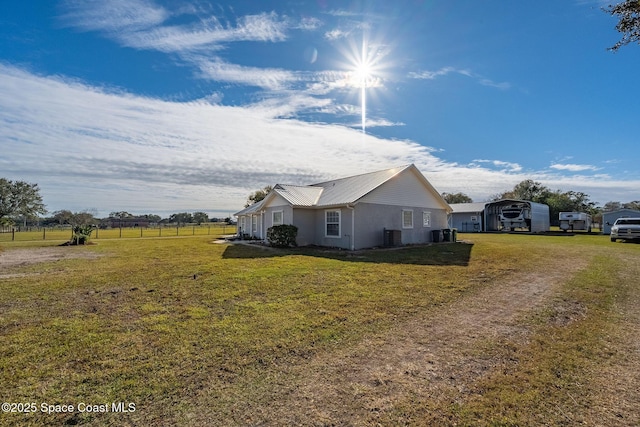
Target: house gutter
[(352, 242)]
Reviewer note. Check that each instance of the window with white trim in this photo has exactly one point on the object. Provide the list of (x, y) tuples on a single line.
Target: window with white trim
[(426, 219), (254, 223), (332, 223), (407, 218), (277, 217)]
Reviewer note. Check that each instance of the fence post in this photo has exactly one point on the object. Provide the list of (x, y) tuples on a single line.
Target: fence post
[(44, 233), (13, 234)]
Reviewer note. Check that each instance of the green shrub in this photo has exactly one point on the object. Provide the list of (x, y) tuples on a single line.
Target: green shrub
[(282, 236), (81, 234)]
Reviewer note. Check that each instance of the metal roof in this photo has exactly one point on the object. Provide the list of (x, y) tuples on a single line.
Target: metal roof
[(336, 192), (251, 208), (299, 195), (349, 190), (468, 207)]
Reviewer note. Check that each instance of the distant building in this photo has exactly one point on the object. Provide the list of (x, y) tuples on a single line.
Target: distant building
[(132, 222)]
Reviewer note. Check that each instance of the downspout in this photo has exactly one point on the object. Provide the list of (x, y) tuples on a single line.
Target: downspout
[(352, 242), (262, 225)]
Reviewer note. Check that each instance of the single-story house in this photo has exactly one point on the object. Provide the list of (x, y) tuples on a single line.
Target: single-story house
[(608, 218), (486, 216), (354, 212)]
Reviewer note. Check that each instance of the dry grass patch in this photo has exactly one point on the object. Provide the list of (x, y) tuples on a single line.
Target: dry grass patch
[(200, 334)]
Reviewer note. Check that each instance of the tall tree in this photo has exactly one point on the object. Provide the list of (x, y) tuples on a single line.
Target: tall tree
[(527, 190), (628, 15), (258, 196), (181, 218), (200, 217), (635, 205), (19, 198), (456, 198), (611, 206), (121, 215)]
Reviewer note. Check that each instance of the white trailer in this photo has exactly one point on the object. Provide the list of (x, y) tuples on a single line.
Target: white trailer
[(575, 221)]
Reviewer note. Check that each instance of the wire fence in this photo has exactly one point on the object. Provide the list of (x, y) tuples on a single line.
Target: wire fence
[(23, 234)]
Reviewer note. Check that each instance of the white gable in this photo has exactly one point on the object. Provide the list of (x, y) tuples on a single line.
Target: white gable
[(276, 200), (405, 189)]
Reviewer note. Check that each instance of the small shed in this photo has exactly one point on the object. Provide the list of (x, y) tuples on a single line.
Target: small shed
[(467, 217), (608, 218)]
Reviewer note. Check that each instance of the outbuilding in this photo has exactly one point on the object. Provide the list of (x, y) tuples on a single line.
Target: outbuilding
[(608, 218), (467, 217), (501, 215)]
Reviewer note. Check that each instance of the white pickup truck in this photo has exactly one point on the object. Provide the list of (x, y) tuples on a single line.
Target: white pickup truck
[(625, 229)]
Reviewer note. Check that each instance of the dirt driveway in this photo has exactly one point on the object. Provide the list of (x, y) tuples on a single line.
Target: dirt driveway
[(431, 358)]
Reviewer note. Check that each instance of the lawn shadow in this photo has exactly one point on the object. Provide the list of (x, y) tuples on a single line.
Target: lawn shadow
[(457, 253)]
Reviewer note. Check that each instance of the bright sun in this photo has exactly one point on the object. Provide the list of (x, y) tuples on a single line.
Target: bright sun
[(363, 73)]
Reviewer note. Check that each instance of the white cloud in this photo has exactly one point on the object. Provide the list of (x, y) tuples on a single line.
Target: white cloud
[(573, 167), (113, 16), (138, 24), (336, 34), (499, 164), (431, 75), (266, 78), (309, 23), (201, 43), (90, 148)]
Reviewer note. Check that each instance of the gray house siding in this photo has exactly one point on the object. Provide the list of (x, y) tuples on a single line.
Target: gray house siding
[(346, 233), (467, 222), (372, 219), (305, 220)]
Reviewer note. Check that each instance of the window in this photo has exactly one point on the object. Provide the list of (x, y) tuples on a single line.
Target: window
[(254, 223), (407, 219), (277, 218), (426, 219), (332, 223)]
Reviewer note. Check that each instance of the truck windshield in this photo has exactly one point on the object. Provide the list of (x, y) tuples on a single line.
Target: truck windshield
[(634, 221)]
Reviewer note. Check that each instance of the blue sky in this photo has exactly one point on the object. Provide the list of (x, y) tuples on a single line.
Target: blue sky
[(156, 106)]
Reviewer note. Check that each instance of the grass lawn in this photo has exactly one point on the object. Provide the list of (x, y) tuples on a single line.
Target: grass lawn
[(196, 333)]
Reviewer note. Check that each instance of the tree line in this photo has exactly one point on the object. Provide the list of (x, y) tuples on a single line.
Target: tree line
[(557, 200), (21, 203)]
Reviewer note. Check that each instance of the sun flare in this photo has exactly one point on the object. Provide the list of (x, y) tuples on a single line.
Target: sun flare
[(362, 73)]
